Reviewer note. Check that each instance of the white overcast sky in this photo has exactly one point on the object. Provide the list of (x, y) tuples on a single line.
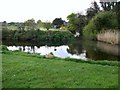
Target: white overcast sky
[(45, 10)]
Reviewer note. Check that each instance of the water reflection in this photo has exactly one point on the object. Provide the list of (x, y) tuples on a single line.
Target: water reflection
[(80, 49), (59, 51), (101, 51), (108, 48)]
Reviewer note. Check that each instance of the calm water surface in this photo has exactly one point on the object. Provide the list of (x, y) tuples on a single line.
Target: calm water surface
[(79, 49)]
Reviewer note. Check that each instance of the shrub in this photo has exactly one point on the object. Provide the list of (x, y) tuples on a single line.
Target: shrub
[(3, 47), (103, 20), (38, 35)]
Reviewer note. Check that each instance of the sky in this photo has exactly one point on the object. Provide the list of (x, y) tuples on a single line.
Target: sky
[(45, 10)]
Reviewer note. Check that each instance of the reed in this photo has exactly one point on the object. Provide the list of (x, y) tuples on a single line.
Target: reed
[(109, 36)]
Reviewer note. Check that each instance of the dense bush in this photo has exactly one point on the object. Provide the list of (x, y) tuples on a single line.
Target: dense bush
[(3, 47), (37, 35), (102, 21)]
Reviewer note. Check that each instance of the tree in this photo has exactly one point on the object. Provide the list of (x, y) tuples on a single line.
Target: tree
[(76, 22), (118, 14), (96, 7), (116, 9), (101, 22), (30, 24), (47, 25), (107, 6), (92, 10), (21, 26), (39, 24), (71, 23), (58, 22), (11, 23), (4, 25)]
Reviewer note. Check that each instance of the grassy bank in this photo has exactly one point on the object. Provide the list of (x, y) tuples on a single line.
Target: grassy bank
[(22, 70)]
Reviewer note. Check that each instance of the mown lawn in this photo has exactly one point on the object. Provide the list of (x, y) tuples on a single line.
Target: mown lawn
[(21, 70)]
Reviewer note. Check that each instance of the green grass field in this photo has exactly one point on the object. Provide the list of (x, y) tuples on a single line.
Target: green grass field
[(13, 27), (22, 70)]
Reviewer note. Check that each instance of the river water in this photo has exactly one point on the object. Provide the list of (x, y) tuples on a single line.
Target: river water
[(79, 49)]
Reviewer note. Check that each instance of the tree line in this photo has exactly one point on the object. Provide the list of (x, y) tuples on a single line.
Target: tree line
[(77, 22), (30, 24)]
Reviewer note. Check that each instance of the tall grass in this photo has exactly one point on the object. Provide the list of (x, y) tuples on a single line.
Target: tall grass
[(109, 36)]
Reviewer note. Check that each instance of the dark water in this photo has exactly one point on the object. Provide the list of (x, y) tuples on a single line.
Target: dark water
[(80, 49)]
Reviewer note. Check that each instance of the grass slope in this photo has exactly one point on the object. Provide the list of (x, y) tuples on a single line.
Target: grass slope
[(21, 70)]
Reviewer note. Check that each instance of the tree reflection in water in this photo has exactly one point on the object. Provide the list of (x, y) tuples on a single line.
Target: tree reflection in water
[(95, 50), (77, 49)]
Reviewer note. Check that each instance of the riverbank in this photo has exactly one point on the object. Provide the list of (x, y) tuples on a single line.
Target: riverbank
[(37, 35), (103, 27), (23, 70)]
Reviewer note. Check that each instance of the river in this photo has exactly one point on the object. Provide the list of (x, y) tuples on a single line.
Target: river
[(79, 49)]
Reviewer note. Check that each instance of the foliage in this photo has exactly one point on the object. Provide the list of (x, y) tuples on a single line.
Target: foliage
[(37, 35), (76, 22), (58, 22), (95, 6), (118, 13), (39, 24), (63, 28), (8, 34), (92, 11), (103, 20), (30, 24), (47, 25), (21, 27), (3, 47), (4, 25), (40, 72), (109, 5)]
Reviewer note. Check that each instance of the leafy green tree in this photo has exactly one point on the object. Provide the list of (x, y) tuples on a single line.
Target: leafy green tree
[(76, 22), (4, 25), (92, 11), (11, 23), (58, 22), (30, 24), (39, 24), (21, 27), (47, 25), (107, 6), (102, 21), (71, 23), (96, 7), (118, 13)]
